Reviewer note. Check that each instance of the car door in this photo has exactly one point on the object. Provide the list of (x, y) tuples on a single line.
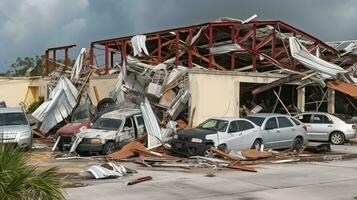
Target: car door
[(232, 132), (321, 127), (269, 133), (286, 131), (140, 126), (244, 137), (306, 119), (127, 133)]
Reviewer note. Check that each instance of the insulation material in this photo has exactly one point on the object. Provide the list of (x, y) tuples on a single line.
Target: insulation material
[(325, 69), (225, 48), (77, 67), (100, 172), (151, 125), (179, 103), (343, 87), (139, 46), (61, 103), (117, 93)]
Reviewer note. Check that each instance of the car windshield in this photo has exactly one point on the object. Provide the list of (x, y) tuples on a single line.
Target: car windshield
[(80, 115), (107, 124), (215, 124), (13, 119), (256, 120)]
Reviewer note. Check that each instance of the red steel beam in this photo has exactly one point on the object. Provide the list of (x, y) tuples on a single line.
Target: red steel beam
[(273, 45), (54, 64), (177, 43), (210, 44), (233, 56), (106, 57), (190, 48), (65, 59), (46, 62), (254, 47), (159, 48)]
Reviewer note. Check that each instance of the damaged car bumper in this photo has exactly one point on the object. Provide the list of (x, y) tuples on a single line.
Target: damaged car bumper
[(188, 148)]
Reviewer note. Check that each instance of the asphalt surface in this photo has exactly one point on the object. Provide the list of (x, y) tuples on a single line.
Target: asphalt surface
[(303, 180)]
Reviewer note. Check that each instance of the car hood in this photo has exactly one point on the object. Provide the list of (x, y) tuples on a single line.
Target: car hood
[(72, 128), (13, 129), (196, 133), (97, 133)]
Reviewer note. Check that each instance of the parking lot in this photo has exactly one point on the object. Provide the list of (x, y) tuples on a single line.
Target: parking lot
[(332, 177)]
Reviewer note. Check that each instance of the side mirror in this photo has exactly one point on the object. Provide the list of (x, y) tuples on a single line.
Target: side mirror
[(126, 129)]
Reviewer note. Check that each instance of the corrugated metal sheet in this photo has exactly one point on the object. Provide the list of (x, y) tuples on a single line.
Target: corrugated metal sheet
[(100, 172), (324, 68), (61, 103), (77, 67), (151, 125)]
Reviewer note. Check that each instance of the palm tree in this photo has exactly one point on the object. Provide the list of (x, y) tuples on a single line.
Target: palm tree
[(19, 180)]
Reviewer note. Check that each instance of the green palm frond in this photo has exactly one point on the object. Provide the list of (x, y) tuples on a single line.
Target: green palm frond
[(19, 180)]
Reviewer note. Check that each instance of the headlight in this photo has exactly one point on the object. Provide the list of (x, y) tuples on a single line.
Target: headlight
[(175, 136), (95, 141), (25, 134), (196, 140)]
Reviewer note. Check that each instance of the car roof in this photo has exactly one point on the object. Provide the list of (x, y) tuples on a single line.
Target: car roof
[(264, 115), (226, 118), (312, 112), (121, 113), (11, 110)]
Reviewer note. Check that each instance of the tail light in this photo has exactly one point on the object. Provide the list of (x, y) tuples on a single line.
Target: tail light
[(305, 128)]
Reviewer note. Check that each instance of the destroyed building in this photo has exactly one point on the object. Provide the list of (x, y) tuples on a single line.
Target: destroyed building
[(231, 67)]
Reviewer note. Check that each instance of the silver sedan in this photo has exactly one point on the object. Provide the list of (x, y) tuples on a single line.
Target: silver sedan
[(327, 127)]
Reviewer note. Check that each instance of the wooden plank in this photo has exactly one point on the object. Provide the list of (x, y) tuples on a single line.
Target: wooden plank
[(255, 154), (224, 155), (242, 168)]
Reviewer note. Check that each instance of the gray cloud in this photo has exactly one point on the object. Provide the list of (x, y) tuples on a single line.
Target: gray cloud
[(28, 27)]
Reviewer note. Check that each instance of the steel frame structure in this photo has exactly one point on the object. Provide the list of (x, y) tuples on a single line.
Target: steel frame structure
[(52, 60), (262, 42)]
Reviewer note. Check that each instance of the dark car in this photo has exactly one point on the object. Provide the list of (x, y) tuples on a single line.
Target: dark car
[(83, 116), (225, 133)]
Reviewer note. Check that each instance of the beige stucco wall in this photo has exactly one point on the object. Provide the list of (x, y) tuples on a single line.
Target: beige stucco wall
[(216, 94), (14, 91), (104, 85)]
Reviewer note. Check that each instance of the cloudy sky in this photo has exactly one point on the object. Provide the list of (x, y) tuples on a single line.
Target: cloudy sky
[(28, 27)]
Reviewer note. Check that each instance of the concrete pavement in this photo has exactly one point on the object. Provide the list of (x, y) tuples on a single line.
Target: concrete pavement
[(315, 180)]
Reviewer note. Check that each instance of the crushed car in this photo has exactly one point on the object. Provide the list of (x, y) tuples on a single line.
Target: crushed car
[(15, 128), (332, 128), (82, 117), (111, 131), (271, 130)]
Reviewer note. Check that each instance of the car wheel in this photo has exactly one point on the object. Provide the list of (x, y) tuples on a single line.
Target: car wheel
[(104, 104), (257, 144), (108, 148), (209, 153), (298, 143), (337, 138)]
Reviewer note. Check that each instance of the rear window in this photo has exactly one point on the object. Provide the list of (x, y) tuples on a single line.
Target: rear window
[(284, 122), (296, 122), (305, 118), (256, 120)]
